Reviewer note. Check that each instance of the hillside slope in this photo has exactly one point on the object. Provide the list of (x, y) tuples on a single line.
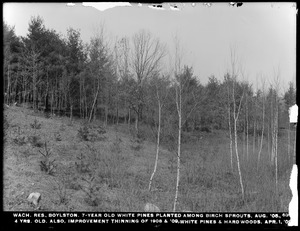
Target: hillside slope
[(106, 169)]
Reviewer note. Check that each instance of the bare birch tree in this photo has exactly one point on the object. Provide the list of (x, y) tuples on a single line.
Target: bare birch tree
[(254, 126), (229, 121), (33, 63), (289, 140), (274, 154), (160, 87), (99, 63), (247, 128), (147, 54), (178, 89), (295, 139), (184, 93), (122, 69), (263, 123), (236, 112)]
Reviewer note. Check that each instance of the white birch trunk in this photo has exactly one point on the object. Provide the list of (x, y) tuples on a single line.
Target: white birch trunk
[(236, 116), (289, 141), (157, 145), (244, 139), (136, 123), (229, 128), (276, 143), (272, 134), (237, 158), (178, 164), (95, 99), (230, 143), (106, 115), (294, 157), (52, 98), (268, 142), (178, 104), (8, 86), (262, 133), (254, 135), (129, 117), (247, 131)]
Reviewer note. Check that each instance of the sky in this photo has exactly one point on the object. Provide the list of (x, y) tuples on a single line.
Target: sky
[(263, 34)]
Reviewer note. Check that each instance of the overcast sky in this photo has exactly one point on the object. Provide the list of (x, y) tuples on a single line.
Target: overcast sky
[(264, 34)]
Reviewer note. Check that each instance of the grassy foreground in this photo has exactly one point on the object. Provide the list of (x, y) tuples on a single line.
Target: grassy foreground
[(92, 168)]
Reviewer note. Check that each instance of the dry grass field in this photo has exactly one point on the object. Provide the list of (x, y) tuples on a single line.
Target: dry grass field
[(96, 168)]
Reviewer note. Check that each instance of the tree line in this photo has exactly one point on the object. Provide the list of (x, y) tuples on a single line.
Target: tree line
[(116, 84)]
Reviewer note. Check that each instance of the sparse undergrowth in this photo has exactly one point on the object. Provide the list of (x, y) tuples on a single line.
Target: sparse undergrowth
[(61, 190), (111, 172), (137, 143), (87, 133)]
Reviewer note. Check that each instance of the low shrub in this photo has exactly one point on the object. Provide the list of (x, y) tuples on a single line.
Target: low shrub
[(136, 147), (91, 189), (35, 141), (5, 123), (205, 129), (19, 139), (36, 124), (61, 191), (81, 165), (57, 136), (47, 164), (47, 115), (116, 145), (83, 133)]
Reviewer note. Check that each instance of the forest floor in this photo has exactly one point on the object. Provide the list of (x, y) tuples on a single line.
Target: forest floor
[(107, 169)]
